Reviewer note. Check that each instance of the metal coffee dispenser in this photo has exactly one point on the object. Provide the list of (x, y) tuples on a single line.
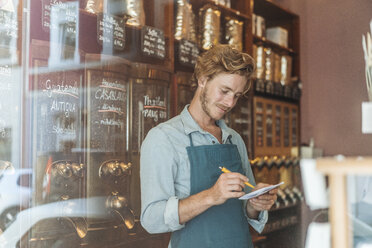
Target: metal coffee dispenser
[(59, 169), (109, 166), (149, 94), (56, 116)]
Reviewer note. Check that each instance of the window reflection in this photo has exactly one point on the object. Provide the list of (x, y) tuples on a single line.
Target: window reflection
[(360, 199), (15, 194), (78, 94)]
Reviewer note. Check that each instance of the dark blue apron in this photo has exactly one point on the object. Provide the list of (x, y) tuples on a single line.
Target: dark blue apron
[(220, 226)]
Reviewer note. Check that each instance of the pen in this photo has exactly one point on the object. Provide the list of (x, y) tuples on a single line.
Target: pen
[(223, 169)]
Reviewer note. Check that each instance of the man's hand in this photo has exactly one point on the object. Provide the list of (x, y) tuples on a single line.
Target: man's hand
[(262, 202), (228, 185)]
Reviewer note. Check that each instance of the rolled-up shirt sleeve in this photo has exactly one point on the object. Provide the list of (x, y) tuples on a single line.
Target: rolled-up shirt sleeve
[(258, 224), (158, 169)]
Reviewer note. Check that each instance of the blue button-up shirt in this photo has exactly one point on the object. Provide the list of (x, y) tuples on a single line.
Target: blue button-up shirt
[(165, 170)]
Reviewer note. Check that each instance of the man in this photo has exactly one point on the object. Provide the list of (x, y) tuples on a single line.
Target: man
[(183, 189)]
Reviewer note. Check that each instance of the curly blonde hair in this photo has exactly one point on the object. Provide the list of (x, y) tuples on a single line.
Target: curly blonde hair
[(223, 59)]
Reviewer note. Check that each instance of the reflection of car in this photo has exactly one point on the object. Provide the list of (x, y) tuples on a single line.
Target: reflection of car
[(58, 217), (28, 218), (15, 194)]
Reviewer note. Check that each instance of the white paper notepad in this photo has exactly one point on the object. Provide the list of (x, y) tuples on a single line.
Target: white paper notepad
[(259, 191)]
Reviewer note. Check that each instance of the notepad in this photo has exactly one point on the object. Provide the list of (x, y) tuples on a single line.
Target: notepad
[(259, 191)]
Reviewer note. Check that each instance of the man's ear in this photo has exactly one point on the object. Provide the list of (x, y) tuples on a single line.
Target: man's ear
[(202, 82)]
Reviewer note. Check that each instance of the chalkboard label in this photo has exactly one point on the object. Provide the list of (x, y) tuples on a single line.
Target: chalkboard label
[(9, 29), (56, 13), (107, 111), (188, 53), (111, 31), (58, 111), (150, 107), (153, 42)]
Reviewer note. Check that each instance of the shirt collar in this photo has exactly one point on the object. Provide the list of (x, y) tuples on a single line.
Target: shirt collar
[(190, 125)]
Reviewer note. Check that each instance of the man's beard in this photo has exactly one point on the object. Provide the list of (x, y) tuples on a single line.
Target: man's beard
[(204, 102)]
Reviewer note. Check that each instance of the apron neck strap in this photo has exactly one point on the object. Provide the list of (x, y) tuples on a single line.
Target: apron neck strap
[(191, 144)]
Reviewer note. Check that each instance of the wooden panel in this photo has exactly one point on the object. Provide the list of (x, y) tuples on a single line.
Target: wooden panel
[(258, 127), (276, 127)]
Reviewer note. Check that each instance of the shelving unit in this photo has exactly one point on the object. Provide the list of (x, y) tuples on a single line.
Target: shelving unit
[(276, 15), (276, 128)]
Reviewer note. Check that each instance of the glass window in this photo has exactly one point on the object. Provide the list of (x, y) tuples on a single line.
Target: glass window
[(81, 84)]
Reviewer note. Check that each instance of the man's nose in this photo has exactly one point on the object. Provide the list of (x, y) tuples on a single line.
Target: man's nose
[(229, 101)]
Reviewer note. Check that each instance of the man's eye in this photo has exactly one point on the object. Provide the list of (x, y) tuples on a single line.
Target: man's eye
[(224, 91)]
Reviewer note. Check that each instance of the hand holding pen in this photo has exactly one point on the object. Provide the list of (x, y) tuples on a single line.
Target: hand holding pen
[(228, 185), (224, 170)]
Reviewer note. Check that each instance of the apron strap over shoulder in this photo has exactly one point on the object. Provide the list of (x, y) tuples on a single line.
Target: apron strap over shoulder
[(191, 144)]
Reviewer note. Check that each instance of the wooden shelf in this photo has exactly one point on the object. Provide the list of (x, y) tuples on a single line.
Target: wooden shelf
[(270, 10), (262, 40), (197, 4)]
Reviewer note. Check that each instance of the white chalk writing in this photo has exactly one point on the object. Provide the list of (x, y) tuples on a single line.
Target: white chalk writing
[(70, 89), (61, 106)]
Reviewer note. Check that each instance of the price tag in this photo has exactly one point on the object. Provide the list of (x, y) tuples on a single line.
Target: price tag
[(55, 13), (108, 113), (58, 110), (153, 42), (188, 53), (111, 31)]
